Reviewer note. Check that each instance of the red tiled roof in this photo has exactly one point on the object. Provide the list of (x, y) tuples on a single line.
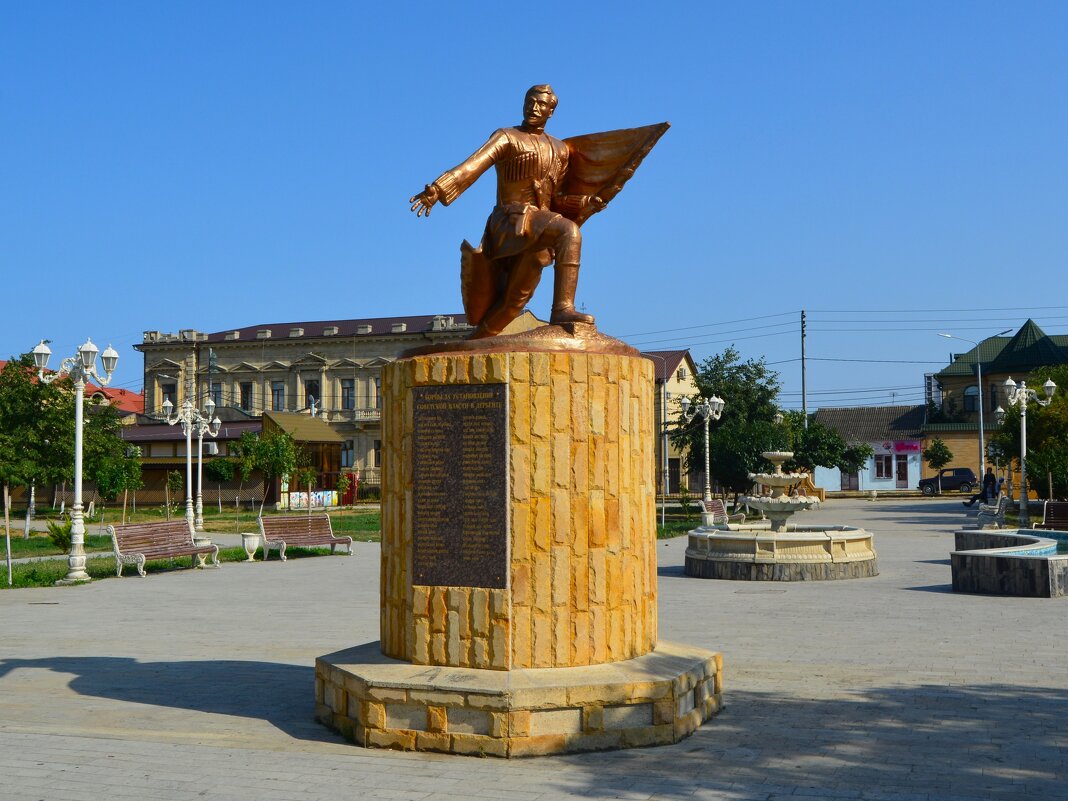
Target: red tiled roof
[(413, 324), (666, 361), (122, 399)]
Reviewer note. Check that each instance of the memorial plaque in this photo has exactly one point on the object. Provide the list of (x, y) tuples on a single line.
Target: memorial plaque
[(460, 484)]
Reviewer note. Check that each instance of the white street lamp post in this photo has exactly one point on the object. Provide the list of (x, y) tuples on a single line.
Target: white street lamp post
[(192, 419), (80, 368), (709, 409), (1020, 396), (979, 382)]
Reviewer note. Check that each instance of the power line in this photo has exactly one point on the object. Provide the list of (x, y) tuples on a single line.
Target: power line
[(925, 311), (716, 341), (873, 361), (706, 325)]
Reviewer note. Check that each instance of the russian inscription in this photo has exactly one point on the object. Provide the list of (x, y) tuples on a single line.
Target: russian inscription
[(460, 483)]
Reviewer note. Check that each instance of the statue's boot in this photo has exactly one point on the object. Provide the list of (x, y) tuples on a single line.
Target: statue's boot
[(564, 296), (523, 279)]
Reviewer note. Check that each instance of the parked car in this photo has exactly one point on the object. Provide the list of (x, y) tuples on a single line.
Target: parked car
[(952, 478)]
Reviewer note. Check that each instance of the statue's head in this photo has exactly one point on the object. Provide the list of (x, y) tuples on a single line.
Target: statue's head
[(538, 105)]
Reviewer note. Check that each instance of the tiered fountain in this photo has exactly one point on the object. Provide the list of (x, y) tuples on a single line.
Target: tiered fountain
[(771, 549)]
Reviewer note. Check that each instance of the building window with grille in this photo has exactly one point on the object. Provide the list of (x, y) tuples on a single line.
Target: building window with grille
[(376, 456), (278, 396), (348, 393), (216, 393), (884, 465), (971, 399), (347, 452), (246, 395)]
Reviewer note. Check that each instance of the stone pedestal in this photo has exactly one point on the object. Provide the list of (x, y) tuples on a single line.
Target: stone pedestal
[(518, 534)]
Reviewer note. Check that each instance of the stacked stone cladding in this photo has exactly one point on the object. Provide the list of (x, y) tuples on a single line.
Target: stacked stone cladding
[(582, 532)]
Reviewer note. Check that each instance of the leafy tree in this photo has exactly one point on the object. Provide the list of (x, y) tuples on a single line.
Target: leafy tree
[(1047, 435), (274, 453), (220, 470), (305, 477), (244, 451), (937, 455), (749, 390), (735, 451), (104, 453), (344, 482), (854, 457), (36, 427), (820, 446), (173, 486)]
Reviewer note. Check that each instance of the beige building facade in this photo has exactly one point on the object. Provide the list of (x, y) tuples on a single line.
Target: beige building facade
[(674, 377), (330, 368)]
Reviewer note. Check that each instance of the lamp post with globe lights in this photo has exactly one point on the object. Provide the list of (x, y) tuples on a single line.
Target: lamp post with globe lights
[(1020, 395), (709, 409), (80, 368), (192, 419)]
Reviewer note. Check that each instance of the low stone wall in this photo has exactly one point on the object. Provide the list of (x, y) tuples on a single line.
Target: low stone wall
[(781, 571), (1006, 563), (655, 699), (799, 554)]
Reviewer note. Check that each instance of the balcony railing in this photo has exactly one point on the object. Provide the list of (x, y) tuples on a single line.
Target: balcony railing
[(359, 415)]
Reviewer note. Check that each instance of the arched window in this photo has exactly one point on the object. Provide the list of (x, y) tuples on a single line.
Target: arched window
[(971, 399)]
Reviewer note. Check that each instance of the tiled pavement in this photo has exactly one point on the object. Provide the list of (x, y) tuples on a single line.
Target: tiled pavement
[(198, 685)]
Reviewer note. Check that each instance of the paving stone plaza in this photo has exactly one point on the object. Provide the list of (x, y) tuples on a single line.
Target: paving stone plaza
[(197, 685)]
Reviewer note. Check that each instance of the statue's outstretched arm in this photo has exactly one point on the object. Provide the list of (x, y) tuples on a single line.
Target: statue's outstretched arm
[(452, 183)]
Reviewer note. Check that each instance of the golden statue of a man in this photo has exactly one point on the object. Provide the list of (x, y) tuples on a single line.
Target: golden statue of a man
[(546, 188)]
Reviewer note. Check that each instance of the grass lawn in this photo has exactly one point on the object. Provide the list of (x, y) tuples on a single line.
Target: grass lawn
[(46, 573), (675, 528), (40, 545), (362, 523)]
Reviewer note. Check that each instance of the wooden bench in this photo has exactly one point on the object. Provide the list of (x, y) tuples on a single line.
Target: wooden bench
[(137, 543), (992, 515), (280, 531), (1054, 516), (715, 513)]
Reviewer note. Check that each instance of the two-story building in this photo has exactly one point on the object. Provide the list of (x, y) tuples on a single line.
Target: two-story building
[(999, 357), (675, 370), (329, 369)]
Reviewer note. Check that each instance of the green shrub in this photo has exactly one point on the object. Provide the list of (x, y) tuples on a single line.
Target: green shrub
[(686, 502), (59, 534)]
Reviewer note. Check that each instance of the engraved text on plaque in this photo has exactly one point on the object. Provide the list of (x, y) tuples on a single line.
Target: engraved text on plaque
[(460, 482)]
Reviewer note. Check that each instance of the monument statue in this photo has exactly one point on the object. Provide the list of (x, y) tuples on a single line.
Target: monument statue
[(546, 189)]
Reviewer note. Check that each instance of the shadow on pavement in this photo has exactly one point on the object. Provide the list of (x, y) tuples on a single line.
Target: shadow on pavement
[(927, 741), (671, 571), (281, 695), (944, 588)]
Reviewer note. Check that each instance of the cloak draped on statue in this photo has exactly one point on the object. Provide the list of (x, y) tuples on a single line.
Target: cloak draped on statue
[(599, 164)]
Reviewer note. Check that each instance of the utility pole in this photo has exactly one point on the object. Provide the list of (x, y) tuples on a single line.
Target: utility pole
[(804, 392)]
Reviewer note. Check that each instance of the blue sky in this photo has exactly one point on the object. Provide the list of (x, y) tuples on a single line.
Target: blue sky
[(895, 169)]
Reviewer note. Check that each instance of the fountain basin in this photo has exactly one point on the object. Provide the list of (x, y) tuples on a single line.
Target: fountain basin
[(779, 508), (798, 553)]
